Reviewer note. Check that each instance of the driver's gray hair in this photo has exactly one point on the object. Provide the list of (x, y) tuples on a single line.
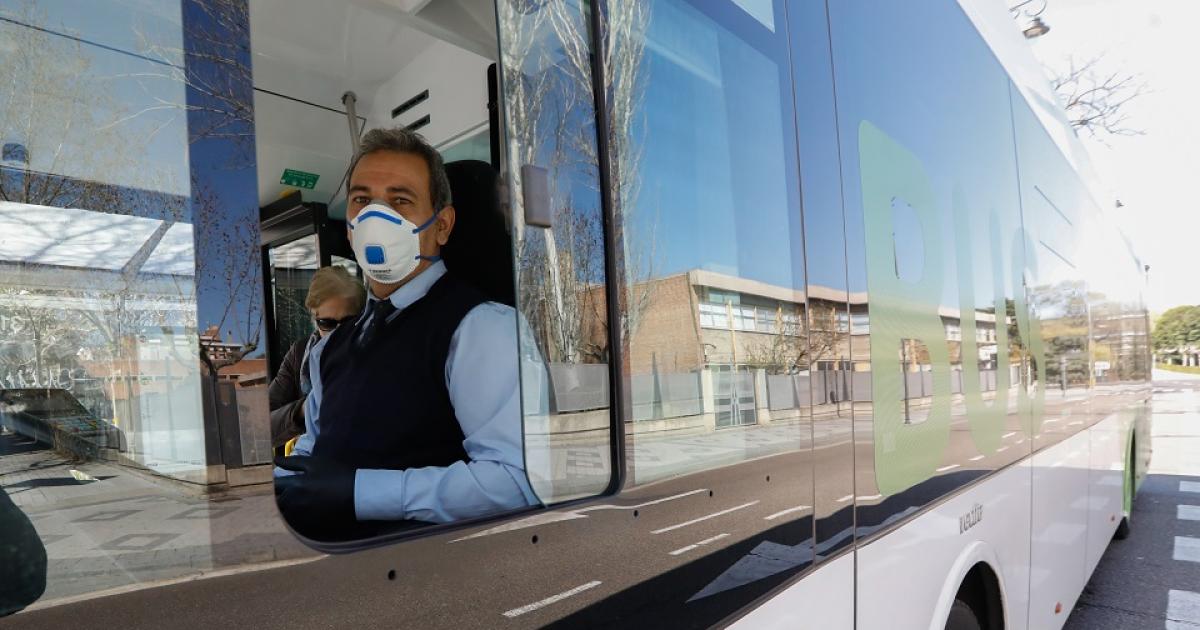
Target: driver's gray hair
[(403, 140)]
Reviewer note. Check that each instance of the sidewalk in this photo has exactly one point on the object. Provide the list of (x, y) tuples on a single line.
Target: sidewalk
[(1175, 436), (126, 528)]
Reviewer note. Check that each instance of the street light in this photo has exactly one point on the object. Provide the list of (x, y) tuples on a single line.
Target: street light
[(1036, 28)]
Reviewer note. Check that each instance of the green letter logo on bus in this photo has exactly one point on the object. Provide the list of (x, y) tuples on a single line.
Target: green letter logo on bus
[(909, 447)]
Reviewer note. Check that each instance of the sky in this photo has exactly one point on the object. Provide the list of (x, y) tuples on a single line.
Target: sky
[(1155, 174)]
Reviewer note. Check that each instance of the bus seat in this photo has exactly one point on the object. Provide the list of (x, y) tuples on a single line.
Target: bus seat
[(479, 250)]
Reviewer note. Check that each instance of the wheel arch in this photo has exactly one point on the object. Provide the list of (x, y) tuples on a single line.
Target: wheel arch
[(976, 573)]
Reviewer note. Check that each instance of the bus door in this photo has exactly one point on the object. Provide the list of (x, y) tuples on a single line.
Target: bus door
[(298, 238)]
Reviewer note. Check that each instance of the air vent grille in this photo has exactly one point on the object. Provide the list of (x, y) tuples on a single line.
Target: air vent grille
[(410, 103)]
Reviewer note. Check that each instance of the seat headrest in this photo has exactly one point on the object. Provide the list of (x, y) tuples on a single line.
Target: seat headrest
[(479, 250)]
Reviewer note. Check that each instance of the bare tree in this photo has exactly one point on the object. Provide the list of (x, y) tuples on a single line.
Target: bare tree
[(623, 29), (51, 103), (549, 107), (229, 260), (791, 348), (1096, 101)]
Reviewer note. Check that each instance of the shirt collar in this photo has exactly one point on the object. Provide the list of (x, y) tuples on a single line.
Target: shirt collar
[(414, 289)]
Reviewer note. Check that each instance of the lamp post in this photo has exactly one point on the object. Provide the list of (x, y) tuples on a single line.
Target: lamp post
[(1036, 27)]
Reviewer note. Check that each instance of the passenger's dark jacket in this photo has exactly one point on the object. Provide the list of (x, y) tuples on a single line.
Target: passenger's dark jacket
[(287, 397)]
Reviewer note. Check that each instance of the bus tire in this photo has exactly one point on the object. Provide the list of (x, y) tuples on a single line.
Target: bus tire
[(1123, 529), (962, 617)]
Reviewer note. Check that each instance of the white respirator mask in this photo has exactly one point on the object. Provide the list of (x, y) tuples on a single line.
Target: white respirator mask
[(387, 246)]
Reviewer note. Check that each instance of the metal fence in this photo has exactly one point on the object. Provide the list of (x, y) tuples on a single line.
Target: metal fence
[(670, 395), (578, 386), (785, 391)]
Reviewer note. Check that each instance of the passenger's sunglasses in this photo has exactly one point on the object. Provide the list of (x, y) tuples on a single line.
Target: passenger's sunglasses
[(326, 324)]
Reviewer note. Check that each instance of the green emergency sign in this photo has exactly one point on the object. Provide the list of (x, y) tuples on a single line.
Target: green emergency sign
[(298, 179)]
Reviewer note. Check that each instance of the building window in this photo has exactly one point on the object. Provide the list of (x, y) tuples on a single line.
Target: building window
[(714, 316), (861, 323), (843, 321)]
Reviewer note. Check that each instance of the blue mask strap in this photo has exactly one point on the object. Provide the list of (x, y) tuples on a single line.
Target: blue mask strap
[(429, 258), (421, 228)]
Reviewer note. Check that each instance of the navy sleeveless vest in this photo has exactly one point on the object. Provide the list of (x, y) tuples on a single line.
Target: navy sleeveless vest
[(386, 405)]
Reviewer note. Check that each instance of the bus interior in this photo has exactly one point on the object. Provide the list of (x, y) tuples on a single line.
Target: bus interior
[(324, 73)]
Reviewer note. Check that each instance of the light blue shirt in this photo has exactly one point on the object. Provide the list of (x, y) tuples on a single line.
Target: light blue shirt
[(484, 385)]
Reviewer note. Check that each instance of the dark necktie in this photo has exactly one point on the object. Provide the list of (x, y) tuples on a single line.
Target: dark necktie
[(381, 310)]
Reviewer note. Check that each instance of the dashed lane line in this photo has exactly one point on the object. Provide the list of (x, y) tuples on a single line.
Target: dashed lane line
[(1187, 512), (699, 544), (949, 467), (1187, 549), (545, 518), (1183, 610), (704, 518), (542, 603), (1189, 486), (776, 515), (643, 504)]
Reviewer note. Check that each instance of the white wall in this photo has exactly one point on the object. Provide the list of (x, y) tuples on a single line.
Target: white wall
[(457, 84)]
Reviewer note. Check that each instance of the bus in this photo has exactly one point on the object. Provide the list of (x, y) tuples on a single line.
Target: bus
[(819, 316)]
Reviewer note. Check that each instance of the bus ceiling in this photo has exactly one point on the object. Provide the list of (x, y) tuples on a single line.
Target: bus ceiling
[(431, 55)]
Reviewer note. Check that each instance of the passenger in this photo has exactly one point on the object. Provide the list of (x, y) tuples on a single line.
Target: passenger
[(414, 412), (334, 296)]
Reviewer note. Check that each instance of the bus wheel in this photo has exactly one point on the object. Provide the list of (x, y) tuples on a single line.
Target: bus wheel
[(962, 617), (1122, 529)]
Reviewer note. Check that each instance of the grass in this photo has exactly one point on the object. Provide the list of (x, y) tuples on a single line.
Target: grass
[(1178, 368)]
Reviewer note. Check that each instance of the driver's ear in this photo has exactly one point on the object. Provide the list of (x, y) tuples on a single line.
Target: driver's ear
[(444, 225)]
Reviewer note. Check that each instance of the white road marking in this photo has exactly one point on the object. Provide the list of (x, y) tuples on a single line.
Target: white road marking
[(1008, 435), (1187, 548), (1183, 610), (1002, 449), (130, 588), (1189, 486), (517, 612), (845, 498), (977, 458), (704, 518), (642, 505), (945, 468), (776, 515), (870, 497), (545, 518), (702, 542), (1187, 512)]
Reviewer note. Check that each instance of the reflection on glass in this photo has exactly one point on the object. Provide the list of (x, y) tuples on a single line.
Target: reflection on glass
[(292, 268), (560, 272), (713, 291), (132, 380)]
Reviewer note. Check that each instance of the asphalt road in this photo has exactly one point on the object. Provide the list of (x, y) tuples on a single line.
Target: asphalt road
[(1152, 579), (681, 552)]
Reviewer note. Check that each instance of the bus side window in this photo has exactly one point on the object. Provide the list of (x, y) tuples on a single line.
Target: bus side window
[(551, 159)]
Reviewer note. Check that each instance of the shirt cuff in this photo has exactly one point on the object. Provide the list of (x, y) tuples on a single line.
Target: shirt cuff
[(378, 495)]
